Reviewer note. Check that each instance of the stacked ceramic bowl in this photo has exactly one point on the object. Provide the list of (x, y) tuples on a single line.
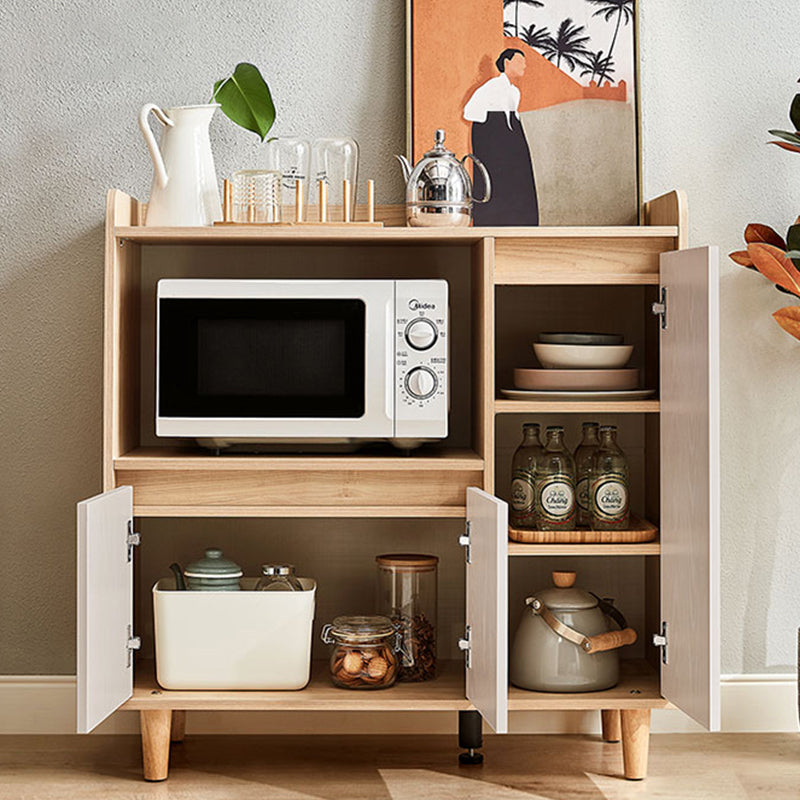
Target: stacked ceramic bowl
[(580, 364)]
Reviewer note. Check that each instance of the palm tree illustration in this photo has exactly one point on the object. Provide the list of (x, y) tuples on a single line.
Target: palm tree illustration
[(622, 10), (516, 4), (597, 64), (568, 45), (536, 37)]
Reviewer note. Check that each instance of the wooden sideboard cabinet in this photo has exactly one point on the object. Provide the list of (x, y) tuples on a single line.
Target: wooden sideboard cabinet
[(506, 285)]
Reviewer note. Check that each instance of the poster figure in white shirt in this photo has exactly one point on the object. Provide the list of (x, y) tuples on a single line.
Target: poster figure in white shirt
[(498, 140)]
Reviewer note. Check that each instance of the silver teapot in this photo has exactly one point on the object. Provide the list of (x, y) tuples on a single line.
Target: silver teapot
[(439, 189)]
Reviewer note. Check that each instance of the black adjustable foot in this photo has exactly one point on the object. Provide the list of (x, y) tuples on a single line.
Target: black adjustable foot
[(470, 737)]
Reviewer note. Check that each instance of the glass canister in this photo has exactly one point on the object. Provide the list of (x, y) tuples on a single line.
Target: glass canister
[(364, 652), (407, 593)]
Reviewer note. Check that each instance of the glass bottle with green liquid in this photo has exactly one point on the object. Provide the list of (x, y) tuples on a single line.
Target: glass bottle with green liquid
[(523, 466), (610, 488), (583, 462), (555, 484)]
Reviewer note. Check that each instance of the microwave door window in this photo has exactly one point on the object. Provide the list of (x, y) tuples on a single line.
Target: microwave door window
[(262, 358)]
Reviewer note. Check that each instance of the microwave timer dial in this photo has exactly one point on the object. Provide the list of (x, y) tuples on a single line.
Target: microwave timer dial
[(421, 333), (421, 383)]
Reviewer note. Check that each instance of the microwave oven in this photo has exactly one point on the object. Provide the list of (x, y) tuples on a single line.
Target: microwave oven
[(302, 364)]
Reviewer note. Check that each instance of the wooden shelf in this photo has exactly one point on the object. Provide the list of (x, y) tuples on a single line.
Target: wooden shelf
[(639, 687), (444, 693), (189, 459), (633, 549), (298, 512), (169, 482), (660, 236), (502, 406)]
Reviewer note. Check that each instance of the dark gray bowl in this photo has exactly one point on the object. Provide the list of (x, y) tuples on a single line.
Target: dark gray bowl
[(581, 338)]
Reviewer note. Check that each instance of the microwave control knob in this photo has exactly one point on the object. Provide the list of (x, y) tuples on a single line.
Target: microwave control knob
[(421, 383), (421, 333)]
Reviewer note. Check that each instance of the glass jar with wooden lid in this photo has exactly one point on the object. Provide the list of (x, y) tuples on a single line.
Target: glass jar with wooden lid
[(407, 593)]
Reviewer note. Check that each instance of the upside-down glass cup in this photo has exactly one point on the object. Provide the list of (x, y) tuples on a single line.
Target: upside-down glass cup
[(291, 156), (256, 196), (334, 161)]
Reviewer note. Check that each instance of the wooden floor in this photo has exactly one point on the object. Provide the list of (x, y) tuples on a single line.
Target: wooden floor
[(682, 767)]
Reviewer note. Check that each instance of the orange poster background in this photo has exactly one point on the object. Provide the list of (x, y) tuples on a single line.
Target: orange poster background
[(453, 50)]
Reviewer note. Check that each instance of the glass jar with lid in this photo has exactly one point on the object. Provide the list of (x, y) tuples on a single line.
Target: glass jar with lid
[(407, 593), (364, 654), (278, 578)]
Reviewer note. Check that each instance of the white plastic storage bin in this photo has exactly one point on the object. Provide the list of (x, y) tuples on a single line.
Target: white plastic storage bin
[(233, 640)]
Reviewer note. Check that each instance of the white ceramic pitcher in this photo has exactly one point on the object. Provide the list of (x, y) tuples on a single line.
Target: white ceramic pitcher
[(184, 189)]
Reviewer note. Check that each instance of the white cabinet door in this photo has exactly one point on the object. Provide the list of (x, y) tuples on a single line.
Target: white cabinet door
[(690, 483), (105, 606), (487, 607)]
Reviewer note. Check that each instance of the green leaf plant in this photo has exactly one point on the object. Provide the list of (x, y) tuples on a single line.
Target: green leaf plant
[(245, 99)]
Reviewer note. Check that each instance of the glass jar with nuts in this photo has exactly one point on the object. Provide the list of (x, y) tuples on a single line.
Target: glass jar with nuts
[(364, 652), (407, 593)]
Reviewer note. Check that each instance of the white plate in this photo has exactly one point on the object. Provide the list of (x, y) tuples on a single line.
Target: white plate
[(631, 394)]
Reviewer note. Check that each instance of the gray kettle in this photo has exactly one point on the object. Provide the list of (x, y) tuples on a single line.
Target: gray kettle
[(568, 640)]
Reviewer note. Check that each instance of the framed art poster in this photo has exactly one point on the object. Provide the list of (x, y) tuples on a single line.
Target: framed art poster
[(543, 92)]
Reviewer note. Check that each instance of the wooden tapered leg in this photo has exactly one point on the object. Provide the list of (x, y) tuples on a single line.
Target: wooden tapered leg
[(635, 742), (155, 727), (611, 725), (178, 730)]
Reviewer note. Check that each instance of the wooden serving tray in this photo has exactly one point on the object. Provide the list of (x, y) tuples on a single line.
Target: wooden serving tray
[(640, 531)]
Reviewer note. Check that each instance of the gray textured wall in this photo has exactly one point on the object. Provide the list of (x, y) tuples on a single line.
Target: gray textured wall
[(714, 78)]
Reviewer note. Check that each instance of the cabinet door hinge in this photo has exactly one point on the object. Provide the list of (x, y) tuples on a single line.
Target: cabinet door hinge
[(660, 640), (465, 540), (132, 643), (132, 540), (660, 308), (465, 645)]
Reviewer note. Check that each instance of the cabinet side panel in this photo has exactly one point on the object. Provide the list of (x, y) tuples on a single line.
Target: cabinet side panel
[(120, 336), (483, 355)]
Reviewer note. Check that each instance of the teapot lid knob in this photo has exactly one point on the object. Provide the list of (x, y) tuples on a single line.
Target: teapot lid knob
[(564, 580), (439, 137)]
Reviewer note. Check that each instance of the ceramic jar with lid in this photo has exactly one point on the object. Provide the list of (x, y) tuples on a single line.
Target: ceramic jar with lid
[(568, 640), (407, 593), (364, 653), (213, 573)]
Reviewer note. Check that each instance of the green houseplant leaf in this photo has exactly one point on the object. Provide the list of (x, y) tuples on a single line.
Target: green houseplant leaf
[(794, 112), (246, 99)]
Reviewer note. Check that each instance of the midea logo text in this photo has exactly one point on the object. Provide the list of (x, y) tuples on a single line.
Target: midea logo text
[(415, 305)]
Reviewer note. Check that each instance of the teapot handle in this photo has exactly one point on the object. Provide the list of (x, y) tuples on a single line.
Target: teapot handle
[(589, 644), (152, 145), (610, 641), (487, 181)]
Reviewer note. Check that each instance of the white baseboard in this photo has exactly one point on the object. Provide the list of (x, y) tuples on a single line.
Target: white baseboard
[(46, 704)]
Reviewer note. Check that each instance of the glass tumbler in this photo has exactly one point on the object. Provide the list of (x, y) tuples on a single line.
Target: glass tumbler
[(256, 196), (334, 161), (291, 157)]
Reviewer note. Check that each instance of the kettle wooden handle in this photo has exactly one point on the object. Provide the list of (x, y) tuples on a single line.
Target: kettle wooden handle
[(610, 640)]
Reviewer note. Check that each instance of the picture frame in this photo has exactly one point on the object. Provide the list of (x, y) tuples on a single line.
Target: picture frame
[(585, 152)]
